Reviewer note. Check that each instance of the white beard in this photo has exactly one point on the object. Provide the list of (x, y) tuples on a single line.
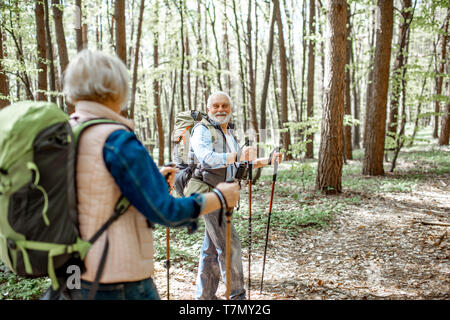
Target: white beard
[(221, 119)]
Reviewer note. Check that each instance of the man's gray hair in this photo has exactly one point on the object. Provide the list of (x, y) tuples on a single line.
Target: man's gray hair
[(219, 93)]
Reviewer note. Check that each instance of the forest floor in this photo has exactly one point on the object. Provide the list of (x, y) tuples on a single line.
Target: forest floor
[(384, 237)]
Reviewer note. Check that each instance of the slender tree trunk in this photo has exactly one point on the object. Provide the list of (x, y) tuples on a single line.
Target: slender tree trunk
[(251, 75), (356, 99), (172, 110), (119, 16), (347, 100), (302, 89), (4, 84), (445, 121), (41, 52), (61, 44), (188, 71), (440, 78), (212, 19), (181, 11), (286, 139), (397, 71), (369, 88), (136, 59), (310, 80), (241, 67), (269, 59), (78, 28), (156, 94), (60, 36), (376, 128), (49, 52), (329, 169), (227, 48)]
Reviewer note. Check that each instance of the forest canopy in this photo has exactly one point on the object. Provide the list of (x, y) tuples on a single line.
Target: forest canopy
[(318, 78)]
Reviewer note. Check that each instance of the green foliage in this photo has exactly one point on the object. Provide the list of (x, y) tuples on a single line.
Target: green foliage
[(13, 287)]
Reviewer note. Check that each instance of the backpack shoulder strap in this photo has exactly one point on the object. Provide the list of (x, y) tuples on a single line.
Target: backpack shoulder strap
[(208, 125)]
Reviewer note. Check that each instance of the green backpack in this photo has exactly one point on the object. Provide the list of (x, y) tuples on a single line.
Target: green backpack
[(39, 233)]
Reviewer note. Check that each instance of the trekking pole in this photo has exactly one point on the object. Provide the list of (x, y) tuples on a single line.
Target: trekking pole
[(250, 177), (168, 240), (228, 213), (274, 179), (228, 255)]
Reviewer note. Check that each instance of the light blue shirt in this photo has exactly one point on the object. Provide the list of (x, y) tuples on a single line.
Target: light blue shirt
[(201, 143)]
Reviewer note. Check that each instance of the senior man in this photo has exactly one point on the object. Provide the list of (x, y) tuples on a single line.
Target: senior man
[(217, 158)]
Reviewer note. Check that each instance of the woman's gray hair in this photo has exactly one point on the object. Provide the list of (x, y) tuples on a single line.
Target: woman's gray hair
[(96, 76), (219, 93)]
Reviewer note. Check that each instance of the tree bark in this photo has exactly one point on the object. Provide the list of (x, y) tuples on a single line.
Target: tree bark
[(156, 95), (49, 52), (119, 16), (445, 120), (251, 75), (269, 59), (4, 84), (78, 29), (397, 71), (329, 170), (136, 59), (376, 126), (61, 44), (41, 52), (369, 87), (286, 139), (310, 79), (347, 100)]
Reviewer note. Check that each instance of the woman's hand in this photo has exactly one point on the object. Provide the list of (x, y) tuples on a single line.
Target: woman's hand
[(169, 174), (231, 192)]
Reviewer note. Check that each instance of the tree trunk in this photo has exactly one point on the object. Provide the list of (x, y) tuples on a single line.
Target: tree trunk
[(49, 52), (212, 19), (397, 71), (269, 59), (369, 87), (4, 84), (181, 11), (376, 126), (286, 139), (188, 75), (445, 121), (156, 95), (329, 170), (347, 100), (241, 67), (78, 29), (251, 75), (356, 99), (310, 79), (439, 80), (136, 59), (121, 44), (41, 52), (227, 48), (302, 89), (61, 44)]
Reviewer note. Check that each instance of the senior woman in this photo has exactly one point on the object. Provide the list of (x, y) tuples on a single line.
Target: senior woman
[(112, 162)]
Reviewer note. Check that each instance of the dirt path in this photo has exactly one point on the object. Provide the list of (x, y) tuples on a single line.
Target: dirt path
[(388, 246)]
